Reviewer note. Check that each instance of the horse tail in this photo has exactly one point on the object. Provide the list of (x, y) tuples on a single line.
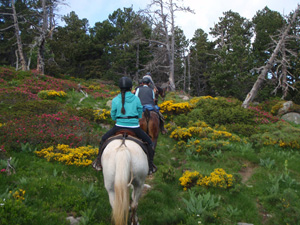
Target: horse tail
[(122, 178)]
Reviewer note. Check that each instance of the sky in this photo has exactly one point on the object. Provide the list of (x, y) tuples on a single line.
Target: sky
[(207, 13)]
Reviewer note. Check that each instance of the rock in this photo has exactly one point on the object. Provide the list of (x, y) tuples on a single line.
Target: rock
[(241, 223), (184, 97), (106, 126), (74, 221), (292, 117), (108, 103), (285, 107)]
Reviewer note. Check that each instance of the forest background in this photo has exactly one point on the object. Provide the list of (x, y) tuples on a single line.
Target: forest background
[(132, 43)]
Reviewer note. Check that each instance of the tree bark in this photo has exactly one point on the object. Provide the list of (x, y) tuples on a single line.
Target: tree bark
[(18, 37), (252, 94)]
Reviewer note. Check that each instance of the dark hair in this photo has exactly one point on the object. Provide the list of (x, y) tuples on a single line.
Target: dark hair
[(123, 91)]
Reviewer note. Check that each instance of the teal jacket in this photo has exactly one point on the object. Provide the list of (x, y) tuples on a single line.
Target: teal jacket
[(133, 108)]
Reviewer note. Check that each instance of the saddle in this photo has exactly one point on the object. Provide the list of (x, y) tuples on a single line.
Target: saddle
[(127, 135)]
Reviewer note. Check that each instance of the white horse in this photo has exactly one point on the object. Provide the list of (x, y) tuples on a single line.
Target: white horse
[(124, 164)]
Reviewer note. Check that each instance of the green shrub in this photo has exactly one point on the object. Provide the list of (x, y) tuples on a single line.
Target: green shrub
[(12, 97), (243, 129), (280, 134), (168, 174), (37, 107), (221, 111), (86, 113), (15, 212)]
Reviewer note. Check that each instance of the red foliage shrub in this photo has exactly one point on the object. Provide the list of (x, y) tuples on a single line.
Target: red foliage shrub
[(47, 130)]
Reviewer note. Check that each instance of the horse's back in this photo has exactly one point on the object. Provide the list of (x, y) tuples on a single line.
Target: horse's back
[(138, 158)]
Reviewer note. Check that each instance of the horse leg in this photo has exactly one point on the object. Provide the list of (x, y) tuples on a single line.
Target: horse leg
[(136, 194), (111, 195)]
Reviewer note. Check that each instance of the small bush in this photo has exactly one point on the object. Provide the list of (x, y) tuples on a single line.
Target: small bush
[(51, 94)]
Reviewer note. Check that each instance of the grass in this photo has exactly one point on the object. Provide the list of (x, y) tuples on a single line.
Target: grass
[(265, 189)]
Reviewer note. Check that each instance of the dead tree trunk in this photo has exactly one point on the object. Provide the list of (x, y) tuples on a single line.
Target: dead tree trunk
[(265, 69), (284, 75), (42, 40), (18, 37)]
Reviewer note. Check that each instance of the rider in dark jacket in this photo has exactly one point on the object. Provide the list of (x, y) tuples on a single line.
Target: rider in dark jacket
[(147, 97)]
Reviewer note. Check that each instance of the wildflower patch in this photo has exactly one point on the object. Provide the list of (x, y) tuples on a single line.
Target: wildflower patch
[(218, 179), (80, 156)]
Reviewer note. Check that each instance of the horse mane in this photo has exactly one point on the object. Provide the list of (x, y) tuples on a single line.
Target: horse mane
[(147, 114)]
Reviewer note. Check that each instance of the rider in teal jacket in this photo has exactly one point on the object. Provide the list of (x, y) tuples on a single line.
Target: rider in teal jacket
[(133, 109), (126, 110)]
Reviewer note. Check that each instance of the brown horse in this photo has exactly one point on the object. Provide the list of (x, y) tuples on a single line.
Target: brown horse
[(150, 124)]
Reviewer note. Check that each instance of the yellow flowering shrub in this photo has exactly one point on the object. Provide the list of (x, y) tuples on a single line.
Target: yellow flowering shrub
[(2, 124), (101, 115), (95, 87), (51, 94), (199, 137), (189, 179), (195, 100), (218, 178), (115, 92), (80, 156), (169, 107), (276, 107)]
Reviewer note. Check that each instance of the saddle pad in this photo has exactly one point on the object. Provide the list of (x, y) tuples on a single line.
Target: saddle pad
[(128, 137)]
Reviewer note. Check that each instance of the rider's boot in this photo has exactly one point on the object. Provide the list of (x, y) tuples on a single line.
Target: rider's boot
[(152, 167), (96, 164)]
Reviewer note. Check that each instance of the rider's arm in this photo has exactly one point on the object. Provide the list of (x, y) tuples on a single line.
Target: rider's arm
[(137, 92), (113, 110)]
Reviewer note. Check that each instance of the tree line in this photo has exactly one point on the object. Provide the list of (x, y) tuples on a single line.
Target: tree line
[(245, 58)]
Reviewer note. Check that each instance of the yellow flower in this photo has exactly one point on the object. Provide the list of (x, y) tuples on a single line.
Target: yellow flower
[(70, 156)]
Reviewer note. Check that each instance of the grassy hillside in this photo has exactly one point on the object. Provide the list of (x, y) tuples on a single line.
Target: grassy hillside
[(218, 164)]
